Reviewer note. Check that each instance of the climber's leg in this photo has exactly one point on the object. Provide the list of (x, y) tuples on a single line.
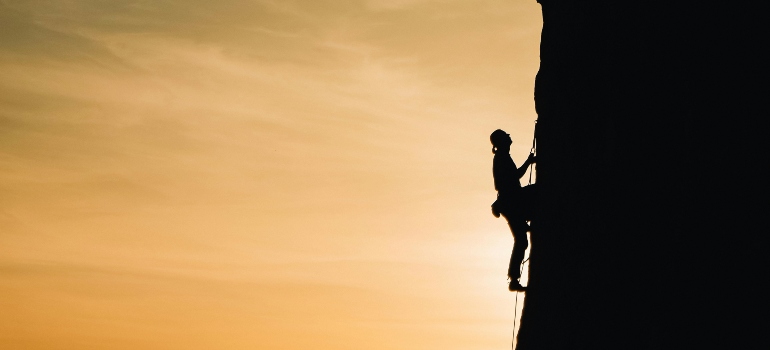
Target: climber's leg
[(520, 244)]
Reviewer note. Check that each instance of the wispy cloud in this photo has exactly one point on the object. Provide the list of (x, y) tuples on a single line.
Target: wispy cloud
[(233, 157)]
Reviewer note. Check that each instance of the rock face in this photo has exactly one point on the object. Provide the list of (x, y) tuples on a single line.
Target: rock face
[(641, 107)]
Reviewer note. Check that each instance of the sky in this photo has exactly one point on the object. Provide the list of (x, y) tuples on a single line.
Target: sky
[(265, 174)]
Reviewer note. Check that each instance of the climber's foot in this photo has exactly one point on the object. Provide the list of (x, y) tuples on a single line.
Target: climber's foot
[(515, 286)]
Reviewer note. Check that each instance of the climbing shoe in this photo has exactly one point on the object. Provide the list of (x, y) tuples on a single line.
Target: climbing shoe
[(515, 286)]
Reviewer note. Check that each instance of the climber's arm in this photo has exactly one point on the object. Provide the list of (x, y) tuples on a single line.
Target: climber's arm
[(523, 169)]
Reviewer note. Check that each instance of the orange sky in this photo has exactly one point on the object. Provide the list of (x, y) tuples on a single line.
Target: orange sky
[(267, 174)]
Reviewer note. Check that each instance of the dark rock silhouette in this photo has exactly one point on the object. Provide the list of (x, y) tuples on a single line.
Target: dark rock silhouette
[(648, 157)]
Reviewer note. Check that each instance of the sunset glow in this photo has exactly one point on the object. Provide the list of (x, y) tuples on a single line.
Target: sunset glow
[(259, 174)]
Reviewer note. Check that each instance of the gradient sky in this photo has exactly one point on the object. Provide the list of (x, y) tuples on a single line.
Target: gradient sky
[(265, 174)]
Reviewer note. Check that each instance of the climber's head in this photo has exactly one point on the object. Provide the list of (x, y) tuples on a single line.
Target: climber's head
[(500, 141)]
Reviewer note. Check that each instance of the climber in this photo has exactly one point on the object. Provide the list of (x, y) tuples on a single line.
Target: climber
[(513, 201)]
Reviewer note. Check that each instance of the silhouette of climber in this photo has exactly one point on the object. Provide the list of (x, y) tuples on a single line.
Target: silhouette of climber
[(511, 200)]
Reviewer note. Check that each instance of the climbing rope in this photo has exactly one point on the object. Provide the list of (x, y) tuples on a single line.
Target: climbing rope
[(533, 150), (515, 314), (516, 306)]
